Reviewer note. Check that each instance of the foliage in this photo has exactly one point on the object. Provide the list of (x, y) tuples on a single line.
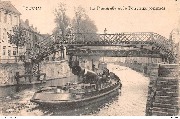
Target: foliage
[(18, 37), (83, 24), (62, 21)]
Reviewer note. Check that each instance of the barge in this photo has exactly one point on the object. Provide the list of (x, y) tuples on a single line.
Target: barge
[(90, 88)]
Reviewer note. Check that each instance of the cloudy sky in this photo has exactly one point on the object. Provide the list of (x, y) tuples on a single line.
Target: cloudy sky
[(159, 21)]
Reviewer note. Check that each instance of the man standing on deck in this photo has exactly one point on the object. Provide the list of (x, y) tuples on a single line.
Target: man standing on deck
[(87, 75)]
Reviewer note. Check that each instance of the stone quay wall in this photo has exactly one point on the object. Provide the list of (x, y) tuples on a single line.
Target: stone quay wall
[(163, 93), (163, 89), (7, 72), (53, 69), (152, 72)]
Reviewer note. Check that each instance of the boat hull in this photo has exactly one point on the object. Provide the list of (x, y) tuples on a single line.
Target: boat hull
[(99, 97)]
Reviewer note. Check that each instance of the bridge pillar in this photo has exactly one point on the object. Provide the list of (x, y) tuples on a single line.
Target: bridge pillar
[(165, 91)]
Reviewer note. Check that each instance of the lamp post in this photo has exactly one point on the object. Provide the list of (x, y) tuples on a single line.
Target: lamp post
[(105, 31)]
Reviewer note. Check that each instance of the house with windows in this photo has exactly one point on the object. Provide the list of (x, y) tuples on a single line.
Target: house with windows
[(9, 17), (34, 39)]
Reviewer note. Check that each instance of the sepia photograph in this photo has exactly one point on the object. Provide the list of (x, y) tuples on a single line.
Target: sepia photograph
[(89, 57)]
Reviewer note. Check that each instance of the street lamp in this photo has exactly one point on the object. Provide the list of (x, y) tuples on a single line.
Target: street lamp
[(105, 31)]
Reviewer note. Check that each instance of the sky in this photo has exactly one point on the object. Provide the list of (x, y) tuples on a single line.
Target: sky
[(115, 21)]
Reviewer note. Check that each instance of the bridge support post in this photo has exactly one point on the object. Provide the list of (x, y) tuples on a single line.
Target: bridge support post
[(166, 91)]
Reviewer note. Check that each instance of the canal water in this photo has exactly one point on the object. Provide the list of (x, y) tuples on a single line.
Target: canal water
[(130, 102), (15, 100)]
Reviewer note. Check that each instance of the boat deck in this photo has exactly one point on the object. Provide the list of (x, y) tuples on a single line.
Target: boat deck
[(52, 96)]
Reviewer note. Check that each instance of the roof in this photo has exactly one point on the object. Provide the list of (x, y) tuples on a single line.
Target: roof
[(24, 25), (6, 5), (45, 35), (27, 27)]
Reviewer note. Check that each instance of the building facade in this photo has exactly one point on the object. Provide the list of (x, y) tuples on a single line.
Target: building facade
[(33, 42), (9, 17)]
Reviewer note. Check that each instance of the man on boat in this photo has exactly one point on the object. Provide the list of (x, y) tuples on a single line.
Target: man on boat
[(86, 76), (17, 76)]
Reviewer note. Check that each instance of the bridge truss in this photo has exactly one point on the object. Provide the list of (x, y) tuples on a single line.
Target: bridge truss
[(144, 44)]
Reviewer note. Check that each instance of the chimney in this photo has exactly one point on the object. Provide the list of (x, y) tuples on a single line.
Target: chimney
[(36, 29), (27, 22)]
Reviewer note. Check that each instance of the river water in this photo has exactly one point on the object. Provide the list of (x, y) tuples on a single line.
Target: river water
[(131, 101)]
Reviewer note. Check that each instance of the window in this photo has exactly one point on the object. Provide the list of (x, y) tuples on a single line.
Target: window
[(14, 50), (4, 34), (9, 52), (11, 19), (4, 50), (10, 31), (16, 20), (8, 18)]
